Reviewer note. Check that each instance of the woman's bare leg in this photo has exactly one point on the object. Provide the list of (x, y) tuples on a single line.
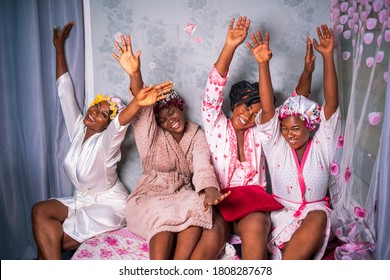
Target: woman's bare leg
[(186, 242), (307, 238), (161, 244), (253, 230), (47, 218), (212, 241)]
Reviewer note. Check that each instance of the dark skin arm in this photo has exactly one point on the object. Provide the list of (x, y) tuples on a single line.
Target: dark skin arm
[(235, 36), (130, 63), (304, 83), (325, 48), (263, 55), (59, 38)]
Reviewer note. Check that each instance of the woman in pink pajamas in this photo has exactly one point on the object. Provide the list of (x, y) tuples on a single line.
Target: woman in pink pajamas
[(299, 163)]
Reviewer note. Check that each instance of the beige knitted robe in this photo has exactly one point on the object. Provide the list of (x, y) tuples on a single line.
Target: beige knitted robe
[(168, 195)]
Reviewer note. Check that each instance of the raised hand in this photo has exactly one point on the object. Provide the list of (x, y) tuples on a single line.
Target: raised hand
[(309, 57), (60, 37), (213, 197), (260, 49), (127, 60), (237, 34), (326, 37), (151, 94)]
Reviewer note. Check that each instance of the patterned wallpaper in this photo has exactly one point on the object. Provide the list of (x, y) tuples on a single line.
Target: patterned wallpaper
[(181, 39)]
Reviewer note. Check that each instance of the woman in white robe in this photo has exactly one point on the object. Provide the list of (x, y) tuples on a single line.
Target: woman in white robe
[(98, 203)]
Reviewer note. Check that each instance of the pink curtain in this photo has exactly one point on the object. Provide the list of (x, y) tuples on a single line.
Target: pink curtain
[(362, 32)]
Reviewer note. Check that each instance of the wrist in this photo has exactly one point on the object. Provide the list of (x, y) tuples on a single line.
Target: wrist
[(135, 73)]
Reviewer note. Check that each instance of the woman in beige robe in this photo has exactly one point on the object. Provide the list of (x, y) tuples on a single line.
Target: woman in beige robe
[(169, 206)]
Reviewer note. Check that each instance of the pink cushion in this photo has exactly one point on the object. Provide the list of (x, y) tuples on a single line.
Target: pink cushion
[(244, 200)]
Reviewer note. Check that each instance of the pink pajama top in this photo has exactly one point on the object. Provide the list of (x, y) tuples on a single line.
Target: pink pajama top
[(222, 140)]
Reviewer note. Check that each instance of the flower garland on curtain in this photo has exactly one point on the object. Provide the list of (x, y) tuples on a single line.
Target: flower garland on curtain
[(362, 34)]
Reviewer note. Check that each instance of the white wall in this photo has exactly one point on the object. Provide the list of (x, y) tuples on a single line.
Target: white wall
[(157, 28)]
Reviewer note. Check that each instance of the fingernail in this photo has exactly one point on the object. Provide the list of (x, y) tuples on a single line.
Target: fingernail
[(55, 27)]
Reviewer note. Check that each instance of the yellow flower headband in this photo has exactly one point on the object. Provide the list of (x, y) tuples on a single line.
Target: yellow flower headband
[(116, 104)]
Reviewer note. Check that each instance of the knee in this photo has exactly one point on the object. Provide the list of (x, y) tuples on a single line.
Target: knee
[(318, 219), (37, 211)]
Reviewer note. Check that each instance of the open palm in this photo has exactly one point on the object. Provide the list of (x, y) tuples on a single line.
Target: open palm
[(326, 37), (260, 49), (127, 60), (152, 94)]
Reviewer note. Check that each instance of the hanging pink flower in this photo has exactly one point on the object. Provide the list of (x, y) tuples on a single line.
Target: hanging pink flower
[(347, 34), (347, 174), (346, 55), (379, 57), (371, 23), (198, 39), (368, 38), (190, 29), (359, 212), (375, 117), (382, 16), (344, 6), (340, 141), (377, 5), (334, 168), (369, 62), (387, 35), (343, 19)]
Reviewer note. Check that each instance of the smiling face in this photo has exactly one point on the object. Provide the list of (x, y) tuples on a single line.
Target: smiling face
[(244, 116), (295, 132), (97, 117), (171, 119)]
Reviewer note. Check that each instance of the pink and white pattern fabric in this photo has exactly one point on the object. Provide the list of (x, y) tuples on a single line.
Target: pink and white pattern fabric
[(122, 244), (301, 188), (222, 139)]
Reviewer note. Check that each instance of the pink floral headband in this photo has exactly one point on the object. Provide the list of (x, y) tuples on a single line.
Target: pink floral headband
[(173, 99), (300, 106)]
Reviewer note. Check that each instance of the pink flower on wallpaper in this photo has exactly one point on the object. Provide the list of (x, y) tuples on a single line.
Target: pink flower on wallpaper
[(375, 117), (350, 23), (198, 39), (339, 28), (112, 241), (359, 212), (105, 253), (347, 174), (190, 29), (144, 247), (152, 65), (340, 141), (379, 40), (334, 169)]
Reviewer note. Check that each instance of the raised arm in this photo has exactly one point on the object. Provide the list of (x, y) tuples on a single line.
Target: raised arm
[(325, 48), (304, 83), (235, 36), (142, 96), (130, 63), (263, 55), (59, 44)]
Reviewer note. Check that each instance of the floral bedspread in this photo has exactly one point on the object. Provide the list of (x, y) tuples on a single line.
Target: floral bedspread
[(122, 244)]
